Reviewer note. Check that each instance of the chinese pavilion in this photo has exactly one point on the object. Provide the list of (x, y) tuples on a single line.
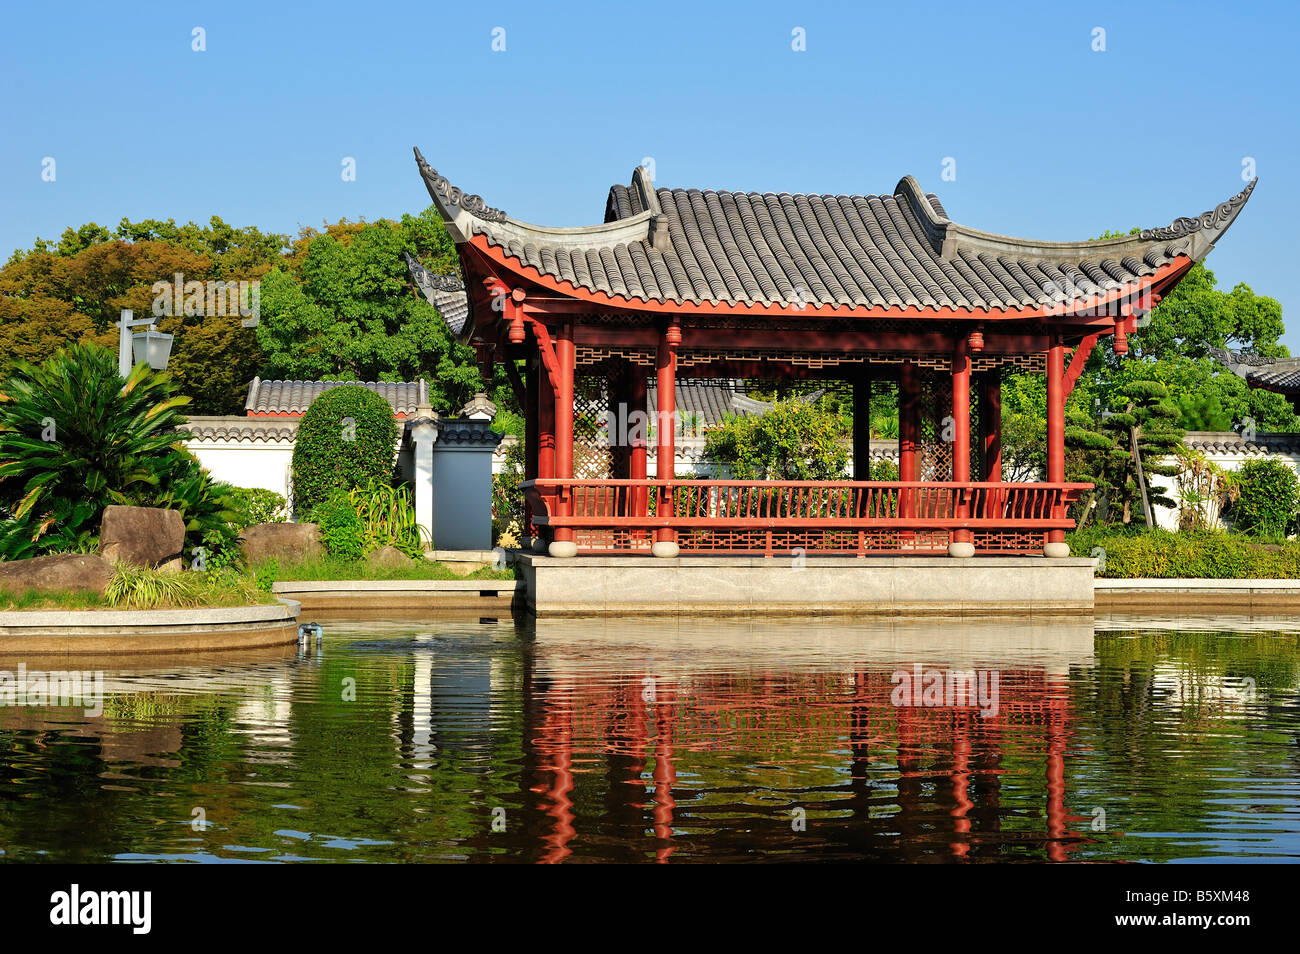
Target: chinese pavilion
[(868, 290)]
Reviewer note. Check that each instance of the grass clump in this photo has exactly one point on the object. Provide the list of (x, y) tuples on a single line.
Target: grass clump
[(133, 587)]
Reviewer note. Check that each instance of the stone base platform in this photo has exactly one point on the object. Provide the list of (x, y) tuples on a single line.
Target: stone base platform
[(781, 586), (343, 599)]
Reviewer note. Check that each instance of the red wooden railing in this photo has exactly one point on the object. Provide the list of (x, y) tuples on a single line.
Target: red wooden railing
[(735, 516)]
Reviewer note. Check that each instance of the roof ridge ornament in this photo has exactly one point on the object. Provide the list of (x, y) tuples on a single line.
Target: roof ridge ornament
[(427, 279), (1217, 218), (441, 190)]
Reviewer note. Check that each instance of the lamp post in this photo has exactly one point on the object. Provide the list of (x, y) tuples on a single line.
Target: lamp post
[(151, 345)]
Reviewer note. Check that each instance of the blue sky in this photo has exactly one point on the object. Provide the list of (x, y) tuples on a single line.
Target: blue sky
[(1050, 138)]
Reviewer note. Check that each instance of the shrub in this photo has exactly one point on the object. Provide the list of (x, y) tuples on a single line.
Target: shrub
[(795, 440), (347, 436), (341, 529), (884, 470), (209, 509), (507, 498), (256, 505), (74, 438), (265, 575), (1268, 494), (1161, 554)]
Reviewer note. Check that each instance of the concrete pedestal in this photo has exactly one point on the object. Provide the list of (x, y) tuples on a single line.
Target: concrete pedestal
[(754, 586)]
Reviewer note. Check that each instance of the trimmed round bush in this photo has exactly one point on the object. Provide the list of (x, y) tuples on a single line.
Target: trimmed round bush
[(347, 437), (1268, 495)]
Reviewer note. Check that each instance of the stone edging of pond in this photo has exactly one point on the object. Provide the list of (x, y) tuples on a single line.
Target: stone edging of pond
[(1198, 596), (196, 629), (371, 597)]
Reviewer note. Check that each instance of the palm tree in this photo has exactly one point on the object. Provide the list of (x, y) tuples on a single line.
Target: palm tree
[(75, 438)]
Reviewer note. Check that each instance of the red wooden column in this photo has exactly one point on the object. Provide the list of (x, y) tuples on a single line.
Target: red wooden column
[(991, 425), (563, 543), (545, 441), (961, 545), (862, 424), (1056, 545), (638, 434), (665, 543), (909, 433), (532, 371)]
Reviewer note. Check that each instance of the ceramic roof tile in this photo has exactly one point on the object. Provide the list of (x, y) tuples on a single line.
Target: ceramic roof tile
[(247, 429), (294, 397)]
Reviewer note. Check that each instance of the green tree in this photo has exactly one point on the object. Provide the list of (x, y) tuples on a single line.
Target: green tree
[(1120, 450), (1172, 349), (73, 290), (341, 307)]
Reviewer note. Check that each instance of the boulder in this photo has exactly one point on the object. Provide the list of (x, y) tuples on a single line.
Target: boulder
[(141, 536), (80, 572), (386, 557), (285, 542)]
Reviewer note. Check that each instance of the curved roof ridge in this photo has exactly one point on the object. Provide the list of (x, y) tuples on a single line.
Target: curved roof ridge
[(466, 214), (1202, 231)]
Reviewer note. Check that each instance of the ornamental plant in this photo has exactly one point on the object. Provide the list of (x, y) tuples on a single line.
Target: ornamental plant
[(1268, 494), (75, 437), (387, 516), (347, 436)]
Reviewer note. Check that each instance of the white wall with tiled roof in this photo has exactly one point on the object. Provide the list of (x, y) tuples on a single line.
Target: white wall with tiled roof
[(1227, 450)]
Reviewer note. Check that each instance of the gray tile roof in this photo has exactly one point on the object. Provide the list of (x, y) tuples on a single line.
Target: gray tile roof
[(1271, 374), (251, 429), (1230, 442), (712, 402), (882, 251), (294, 397)]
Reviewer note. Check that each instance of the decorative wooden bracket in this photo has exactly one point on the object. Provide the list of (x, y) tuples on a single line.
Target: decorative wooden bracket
[(1077, 361), (546, 349)]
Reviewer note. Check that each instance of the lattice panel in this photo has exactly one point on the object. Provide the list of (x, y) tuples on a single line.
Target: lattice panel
[(785, 543), (593, 457), (614, 541), (584, 356), (936, 408), (1020, 362), (1008, 541)]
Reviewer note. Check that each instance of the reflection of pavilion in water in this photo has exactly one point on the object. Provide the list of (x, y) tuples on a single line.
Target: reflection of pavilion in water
[(945, 764)]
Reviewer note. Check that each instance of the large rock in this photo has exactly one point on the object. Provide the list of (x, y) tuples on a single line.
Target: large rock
[(386, 557), (285, 542), (141, 536), (82, 572)]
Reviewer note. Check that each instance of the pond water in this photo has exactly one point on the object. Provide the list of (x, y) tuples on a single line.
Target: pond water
[(708, 740)]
